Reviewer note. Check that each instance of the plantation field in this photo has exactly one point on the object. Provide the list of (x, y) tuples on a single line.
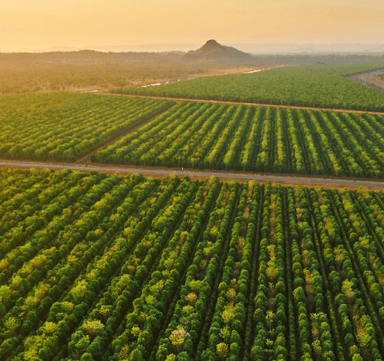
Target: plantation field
[(63, 126), (262, 139), (97, 267), (314, 86)]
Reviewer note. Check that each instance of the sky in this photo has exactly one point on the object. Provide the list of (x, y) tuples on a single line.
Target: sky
[(86, 24)]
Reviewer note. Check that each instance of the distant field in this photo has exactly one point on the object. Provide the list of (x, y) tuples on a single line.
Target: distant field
[(208, 135), (64, 126), (96, 267), (317, 86)]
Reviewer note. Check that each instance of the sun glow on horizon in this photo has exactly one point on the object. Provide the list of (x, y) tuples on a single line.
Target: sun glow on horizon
[(84, 24)]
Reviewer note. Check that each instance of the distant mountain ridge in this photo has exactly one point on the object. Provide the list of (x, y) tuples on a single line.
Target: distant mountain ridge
[(250, 48), (214, 51), (210, 53)]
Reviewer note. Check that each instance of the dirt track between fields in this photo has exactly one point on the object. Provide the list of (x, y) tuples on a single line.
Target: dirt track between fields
[(85, 159), (179, 100), (284, 180)]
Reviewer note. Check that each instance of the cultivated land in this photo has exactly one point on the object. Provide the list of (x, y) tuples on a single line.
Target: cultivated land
[(327, 182), (159, 132), (64, 126), (92, 70), (262, 139), (179, 100), (98, 267), (314, 86)]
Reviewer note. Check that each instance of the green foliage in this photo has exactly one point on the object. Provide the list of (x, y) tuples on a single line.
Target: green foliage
[(66, 126), (317, 86), (254, 291), (205, 135), (222, 350)]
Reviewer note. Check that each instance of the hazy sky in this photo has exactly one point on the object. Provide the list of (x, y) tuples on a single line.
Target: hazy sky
[(40, 24)]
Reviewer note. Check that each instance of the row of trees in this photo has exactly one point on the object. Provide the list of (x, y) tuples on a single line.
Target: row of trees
[(319, 86), (23, 199), (76, 125), (309, 291), (59, 262), (141, 255), (26, 239), (269, 317), (188, 313), (138, 269), (231, 306), (99, 271), (205, 135)]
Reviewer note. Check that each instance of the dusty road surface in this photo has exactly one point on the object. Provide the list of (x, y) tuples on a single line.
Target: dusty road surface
[(285, 180)]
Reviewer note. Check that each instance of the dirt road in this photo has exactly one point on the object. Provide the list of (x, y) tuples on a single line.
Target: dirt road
[(286, 180)]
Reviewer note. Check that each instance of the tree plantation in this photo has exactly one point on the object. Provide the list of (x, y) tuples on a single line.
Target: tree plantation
[(313, 86), (67, 126), (97, 267), (262, 139)]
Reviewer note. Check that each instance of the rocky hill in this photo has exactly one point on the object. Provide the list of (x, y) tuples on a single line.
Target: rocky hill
[(212, 50)]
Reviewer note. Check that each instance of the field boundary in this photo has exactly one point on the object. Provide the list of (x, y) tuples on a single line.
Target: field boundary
[(284, 106), (121, 135), (287, 180)]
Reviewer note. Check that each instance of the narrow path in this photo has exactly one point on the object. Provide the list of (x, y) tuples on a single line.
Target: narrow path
[(368, 81), (366, 78), (85, 159), (148, 118), (178, 100), (328, 182)]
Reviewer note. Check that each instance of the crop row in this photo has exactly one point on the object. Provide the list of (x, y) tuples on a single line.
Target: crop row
[(206, 135), (146, 269), (69, 125), (314, 86)]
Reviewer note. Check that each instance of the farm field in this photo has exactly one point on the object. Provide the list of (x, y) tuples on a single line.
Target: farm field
[(64, 126), (262, 139), (97, 267), (314, 86)]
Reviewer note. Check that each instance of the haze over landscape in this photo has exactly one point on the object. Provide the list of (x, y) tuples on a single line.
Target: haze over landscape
[(150, 25), (191, 181)]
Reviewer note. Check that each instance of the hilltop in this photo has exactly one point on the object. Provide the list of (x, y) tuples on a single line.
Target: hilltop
[(212, 50)]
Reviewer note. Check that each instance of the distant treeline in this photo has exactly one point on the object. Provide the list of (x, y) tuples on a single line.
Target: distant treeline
[(321, 59), (314, 86), (88, 69), (77, 70)]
